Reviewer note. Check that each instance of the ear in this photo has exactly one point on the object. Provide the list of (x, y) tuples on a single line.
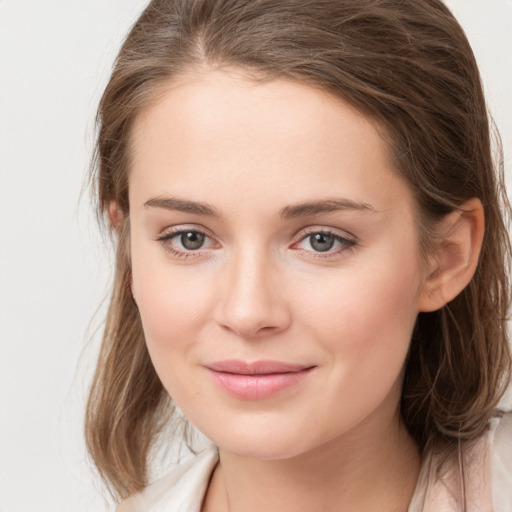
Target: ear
[(115, 214), (455, 257)]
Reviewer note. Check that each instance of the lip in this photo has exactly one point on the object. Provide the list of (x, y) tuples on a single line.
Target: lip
[(256, 380)]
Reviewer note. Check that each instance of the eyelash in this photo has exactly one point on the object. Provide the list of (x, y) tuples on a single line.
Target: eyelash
[(165, 238), (345, 242)]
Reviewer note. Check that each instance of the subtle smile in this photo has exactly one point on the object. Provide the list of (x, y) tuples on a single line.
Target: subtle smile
[(257, 380)]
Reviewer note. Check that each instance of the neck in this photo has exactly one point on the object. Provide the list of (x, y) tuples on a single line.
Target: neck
[(346, 474)]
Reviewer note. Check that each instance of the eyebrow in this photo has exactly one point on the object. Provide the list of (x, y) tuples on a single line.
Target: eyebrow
[(288, 212), (323, 206), (182, 205)]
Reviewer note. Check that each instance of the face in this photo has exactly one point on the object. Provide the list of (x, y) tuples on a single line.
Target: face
[(275, 262)]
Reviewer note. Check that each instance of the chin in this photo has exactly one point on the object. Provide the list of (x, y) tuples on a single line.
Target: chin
[(261, 447), (270, 440)]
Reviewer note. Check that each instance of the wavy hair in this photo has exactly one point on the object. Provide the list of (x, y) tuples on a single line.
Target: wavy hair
[(407, 65)]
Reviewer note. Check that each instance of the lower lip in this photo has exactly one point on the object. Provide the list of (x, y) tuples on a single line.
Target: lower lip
[(257, 387)]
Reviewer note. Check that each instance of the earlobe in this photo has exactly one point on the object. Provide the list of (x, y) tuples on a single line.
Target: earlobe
[(455, 258), (115, 214)]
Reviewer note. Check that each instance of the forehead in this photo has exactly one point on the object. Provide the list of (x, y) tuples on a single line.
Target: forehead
[(216, 131)]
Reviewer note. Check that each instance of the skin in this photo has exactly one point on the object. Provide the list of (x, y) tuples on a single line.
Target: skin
[(257, 289)]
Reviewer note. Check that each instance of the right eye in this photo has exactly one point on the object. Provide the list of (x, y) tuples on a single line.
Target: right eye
[(190, 240), (185, 242)]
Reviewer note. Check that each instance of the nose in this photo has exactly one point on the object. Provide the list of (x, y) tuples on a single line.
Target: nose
[(252, 302)]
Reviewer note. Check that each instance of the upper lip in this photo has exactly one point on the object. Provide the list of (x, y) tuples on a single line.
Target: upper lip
[(256, 367)]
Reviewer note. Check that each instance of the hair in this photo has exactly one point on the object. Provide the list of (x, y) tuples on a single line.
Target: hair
[(408, 66)]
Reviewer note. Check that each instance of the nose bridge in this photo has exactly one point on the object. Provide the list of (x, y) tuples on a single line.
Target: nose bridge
[(252, 303)]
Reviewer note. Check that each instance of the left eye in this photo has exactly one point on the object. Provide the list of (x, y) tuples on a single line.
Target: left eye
[(324, 242)]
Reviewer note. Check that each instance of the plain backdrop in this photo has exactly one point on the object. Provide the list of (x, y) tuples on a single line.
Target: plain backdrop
[(55, 58)]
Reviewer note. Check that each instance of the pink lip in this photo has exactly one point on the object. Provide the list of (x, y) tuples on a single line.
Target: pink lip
[(257, 380)]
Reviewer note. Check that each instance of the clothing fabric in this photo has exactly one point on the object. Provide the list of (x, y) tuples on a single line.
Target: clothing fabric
[(488, 465)]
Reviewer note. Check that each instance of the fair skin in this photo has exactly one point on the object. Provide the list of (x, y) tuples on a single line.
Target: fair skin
[(268, 224)]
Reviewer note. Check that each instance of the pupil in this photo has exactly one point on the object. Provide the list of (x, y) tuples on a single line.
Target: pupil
[(192, 240), (321, 242)]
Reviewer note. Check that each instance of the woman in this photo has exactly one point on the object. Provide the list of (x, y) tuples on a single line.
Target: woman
[(311, 260)]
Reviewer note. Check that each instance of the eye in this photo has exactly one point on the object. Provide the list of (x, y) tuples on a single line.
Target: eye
[(322, 242), (191, 240), (327, 242), (185, 242)]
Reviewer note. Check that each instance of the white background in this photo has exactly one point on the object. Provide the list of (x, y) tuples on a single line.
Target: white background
[(55, 57)]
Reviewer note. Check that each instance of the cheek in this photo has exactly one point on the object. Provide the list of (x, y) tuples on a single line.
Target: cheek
[(363, 327), (172, 301), (170, 306), (366, 320), (356, 295), (172, 310)]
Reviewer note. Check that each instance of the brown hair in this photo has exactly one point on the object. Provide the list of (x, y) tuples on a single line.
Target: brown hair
[(407, 65)]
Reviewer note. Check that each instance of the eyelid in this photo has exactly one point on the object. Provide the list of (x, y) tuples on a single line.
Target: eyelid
[(180, 228), (304, 232), (347, 241), (169, 233)]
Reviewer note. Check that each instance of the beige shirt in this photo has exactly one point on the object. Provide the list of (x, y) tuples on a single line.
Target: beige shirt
[(488, 466)]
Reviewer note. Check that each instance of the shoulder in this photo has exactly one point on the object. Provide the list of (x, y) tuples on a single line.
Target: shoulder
[(501, 463), (126, 506), (183, 488), (487, 466)]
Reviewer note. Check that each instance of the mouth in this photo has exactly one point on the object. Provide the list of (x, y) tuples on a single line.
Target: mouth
[(257, 380)]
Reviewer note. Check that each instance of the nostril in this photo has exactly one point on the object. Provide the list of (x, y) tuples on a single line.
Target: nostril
[(253, 330)]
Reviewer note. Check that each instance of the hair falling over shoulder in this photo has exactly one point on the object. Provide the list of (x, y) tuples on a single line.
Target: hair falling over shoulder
[(409, 66)]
